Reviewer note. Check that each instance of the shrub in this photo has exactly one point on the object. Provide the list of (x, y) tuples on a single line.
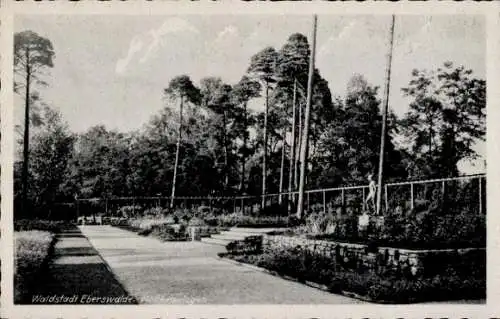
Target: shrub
[(240, 220), (153, 211), (196, 221), (203, 211), (38, 224), (169, 232), (130, 210), (250, 245), (31, 251), (382, 287), (429, 229), (274, 210)]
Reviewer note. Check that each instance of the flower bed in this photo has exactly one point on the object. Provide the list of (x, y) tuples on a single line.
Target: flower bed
[(359, 257), (430, 229), (239, 220), (31, 251), (163, 229), (385, 287)]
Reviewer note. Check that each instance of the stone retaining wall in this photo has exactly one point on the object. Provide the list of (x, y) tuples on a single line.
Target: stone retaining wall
[(358, 256)]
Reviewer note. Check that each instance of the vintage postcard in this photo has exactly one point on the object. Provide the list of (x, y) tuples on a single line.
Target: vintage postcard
[(168, 160)]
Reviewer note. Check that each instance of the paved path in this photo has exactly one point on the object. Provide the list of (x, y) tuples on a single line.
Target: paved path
[(76, 274), (191, 273)]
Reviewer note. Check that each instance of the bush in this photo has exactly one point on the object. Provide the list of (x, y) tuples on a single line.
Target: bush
[(303, 265), (130, 210), (274, 210), (169, 233), (196, 221), (239, 220), (38, 224), (429, 229), (153, 211), (250, 245), (31, 251)]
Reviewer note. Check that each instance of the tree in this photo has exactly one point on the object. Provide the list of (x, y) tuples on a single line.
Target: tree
[(180, 88), (50, 157), (216, 96), (101, 161), (293, 66), (32, 55), (445, 120), (348, 150), (242, 93), (263, 67), (305, 134)]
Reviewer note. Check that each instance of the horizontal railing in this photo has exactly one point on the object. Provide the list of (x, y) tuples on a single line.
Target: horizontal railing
[(326, 199)]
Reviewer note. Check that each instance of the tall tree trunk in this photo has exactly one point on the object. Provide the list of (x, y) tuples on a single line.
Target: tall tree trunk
[(282, 169), (291, 169), (176, 164), (244, 156), (26, 138), (224, 140), (305, 133), (264, 160), (299, 146), (385, 106)]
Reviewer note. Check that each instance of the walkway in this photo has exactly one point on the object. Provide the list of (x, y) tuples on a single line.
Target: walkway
[(77, 274), (191, 273)]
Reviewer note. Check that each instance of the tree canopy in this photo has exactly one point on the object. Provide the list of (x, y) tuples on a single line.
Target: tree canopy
[(217, 140)]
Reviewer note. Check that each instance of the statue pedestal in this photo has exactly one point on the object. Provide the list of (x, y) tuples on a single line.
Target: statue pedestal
[(378, 221), (195, 233)]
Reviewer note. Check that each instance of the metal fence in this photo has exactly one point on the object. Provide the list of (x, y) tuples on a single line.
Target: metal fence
[(465, 192)]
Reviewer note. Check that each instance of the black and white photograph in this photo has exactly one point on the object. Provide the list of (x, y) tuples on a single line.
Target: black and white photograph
[(249, 159)]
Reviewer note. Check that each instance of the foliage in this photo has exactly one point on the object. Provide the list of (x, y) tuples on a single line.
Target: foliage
[(225, 136), (231, 220), (449, 284), (31, 251), (169, 233), (51, 226), (351, 141), (249, 245), (445, 120), (431, 228), (33, 54)]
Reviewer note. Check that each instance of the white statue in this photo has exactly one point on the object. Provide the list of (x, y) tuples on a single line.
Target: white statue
[(372, 191)]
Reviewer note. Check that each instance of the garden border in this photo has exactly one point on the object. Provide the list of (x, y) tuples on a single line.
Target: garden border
[(306, 282)]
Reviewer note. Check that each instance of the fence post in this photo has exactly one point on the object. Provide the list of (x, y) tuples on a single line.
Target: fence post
[(77, 209), (133, 206), (106, 207), (412, 199), (324, 202), (343, 197), (234, 205), (385, 195), (480, 196), (364, 200), (242, 206), (308, 202)]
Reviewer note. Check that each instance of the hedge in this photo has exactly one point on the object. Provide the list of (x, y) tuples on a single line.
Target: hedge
[(39, 224), (31, 252)]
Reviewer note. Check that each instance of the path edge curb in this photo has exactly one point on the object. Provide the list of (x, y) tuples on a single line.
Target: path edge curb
[(307, 283), (108, 267)]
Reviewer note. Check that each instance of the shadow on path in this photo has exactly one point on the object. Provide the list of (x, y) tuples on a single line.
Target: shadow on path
[(76, 274)]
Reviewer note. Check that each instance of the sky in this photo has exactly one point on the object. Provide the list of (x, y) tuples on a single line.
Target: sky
[(112, 70)]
